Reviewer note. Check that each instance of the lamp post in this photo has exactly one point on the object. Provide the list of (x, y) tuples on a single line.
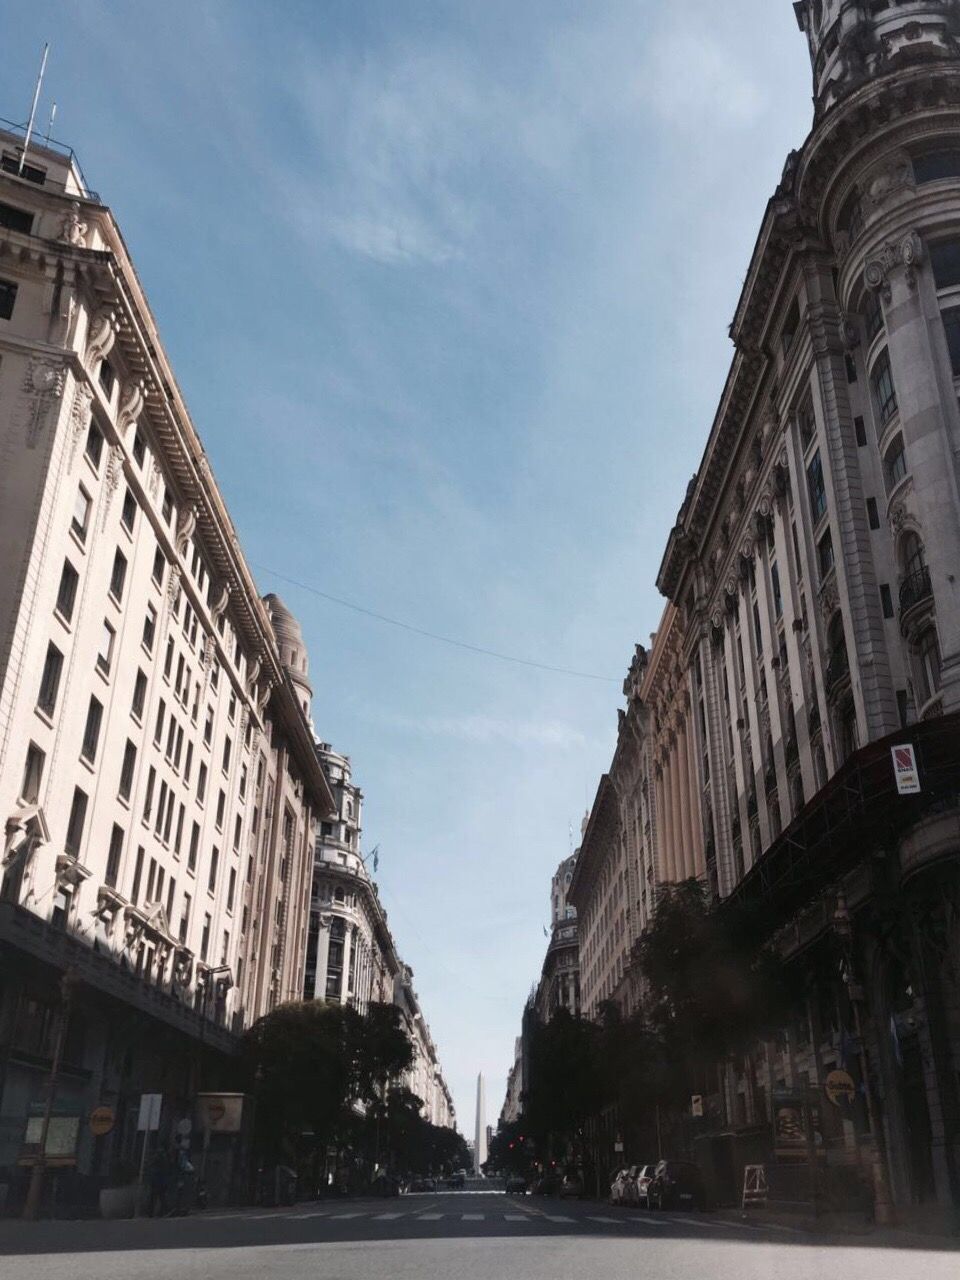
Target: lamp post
[(31, 1205), (843, 929)]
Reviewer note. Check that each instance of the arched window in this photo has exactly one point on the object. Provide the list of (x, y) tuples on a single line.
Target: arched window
[(928, 664), (819, 764), (912, 554), (895, 463)]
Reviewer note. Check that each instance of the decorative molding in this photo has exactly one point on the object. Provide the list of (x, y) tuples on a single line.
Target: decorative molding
[(186, 523), (111, 480), (101, 336), (907, 252), (133, 394), (43, 384), (223, 599), (173, 584), (892, 175), (829, 599)]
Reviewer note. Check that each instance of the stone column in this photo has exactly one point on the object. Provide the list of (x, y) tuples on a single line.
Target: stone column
[(676, 790), (345, 975), (666, 824), (697, 865), (323, 959), (686, 835)]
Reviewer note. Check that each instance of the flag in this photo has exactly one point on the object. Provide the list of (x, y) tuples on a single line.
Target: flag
[(546, 932), (376, 859)]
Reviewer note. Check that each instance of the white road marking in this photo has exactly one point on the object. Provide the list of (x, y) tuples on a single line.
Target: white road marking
[(473, 1217), (556, 1217), (341, 1216), (517, 1217), (619, 1221), (387, 1217), (429, 1217)]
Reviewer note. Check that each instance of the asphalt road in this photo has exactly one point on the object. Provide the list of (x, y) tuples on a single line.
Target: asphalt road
[(448, 1236)]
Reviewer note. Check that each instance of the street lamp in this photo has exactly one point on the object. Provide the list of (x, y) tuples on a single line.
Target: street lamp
[(843, 930)]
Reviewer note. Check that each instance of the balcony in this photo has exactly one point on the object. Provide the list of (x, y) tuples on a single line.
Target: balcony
[(916, 589)]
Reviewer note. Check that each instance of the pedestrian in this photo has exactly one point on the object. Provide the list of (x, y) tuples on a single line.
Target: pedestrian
[(158, 1180)]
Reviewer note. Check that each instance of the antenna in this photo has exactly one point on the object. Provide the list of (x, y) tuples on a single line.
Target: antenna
[(53, 116), (33, 109)]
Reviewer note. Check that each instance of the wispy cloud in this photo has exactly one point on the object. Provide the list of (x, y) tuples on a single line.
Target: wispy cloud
[(485, 730)]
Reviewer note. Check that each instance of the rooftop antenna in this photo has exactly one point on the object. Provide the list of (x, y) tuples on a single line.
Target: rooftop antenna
[(33, 110), (53, 116)]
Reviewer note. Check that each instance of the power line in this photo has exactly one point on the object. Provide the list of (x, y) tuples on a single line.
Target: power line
[(431, 635)]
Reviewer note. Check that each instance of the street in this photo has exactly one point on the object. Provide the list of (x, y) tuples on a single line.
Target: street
[(471, 1236)]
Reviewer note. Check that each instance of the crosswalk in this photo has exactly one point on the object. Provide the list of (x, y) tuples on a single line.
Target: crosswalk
[(533, 1218)]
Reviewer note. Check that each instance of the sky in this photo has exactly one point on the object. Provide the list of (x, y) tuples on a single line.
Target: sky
[(446, 285)]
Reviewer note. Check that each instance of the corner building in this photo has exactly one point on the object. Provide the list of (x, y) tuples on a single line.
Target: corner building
[(158, 780), (813, 567)]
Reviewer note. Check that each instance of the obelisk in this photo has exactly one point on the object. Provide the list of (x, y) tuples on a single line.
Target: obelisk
[(480, 1133)]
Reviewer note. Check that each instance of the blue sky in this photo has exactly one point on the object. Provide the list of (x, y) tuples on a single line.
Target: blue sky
[(446, 286)]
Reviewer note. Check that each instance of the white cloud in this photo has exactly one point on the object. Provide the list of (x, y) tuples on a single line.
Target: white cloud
[(690, 77), (485, 730)]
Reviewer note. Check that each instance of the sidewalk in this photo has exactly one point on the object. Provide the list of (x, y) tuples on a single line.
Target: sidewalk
[(912, 1231)]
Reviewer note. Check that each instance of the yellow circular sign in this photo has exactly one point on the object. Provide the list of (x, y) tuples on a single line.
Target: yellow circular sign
[(102, 1121), (840, 1088)]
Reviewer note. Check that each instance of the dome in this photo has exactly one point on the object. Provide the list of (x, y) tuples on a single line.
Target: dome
[(293, 650)]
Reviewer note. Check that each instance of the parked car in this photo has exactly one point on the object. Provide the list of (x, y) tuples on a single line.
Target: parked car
[(571, 1188), (548, 1185), (676, 1184), (385, 1184), (630, 1184), (643, 1180), (618, 1181), (457, 1180), (423, 1184), (516, 1185)]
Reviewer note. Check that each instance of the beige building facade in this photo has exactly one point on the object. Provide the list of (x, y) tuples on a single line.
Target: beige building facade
[(158, 782)]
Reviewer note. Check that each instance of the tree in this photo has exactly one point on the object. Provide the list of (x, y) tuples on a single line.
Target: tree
[(565, 1081)]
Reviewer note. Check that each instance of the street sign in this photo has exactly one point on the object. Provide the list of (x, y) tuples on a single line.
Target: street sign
[(618, 1147), (220, 1112), (840, 1088), (696, 1105), (101, 1121), (905, 769), (149, 1117)]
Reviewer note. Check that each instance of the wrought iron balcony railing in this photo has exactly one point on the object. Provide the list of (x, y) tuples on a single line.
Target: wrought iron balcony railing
[(915, 588)]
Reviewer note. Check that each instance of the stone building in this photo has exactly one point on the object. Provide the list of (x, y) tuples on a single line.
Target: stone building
[(813, 623), (559, 986), (158, 782)]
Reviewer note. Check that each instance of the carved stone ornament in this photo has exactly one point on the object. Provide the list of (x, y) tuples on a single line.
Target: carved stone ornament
[(252, 674), (209, 645), (43, 385), (908, 253), (173, 584), (829, 599), (156, 475), (101, 336), (897, 516), (894, 174), (79, 418), (133, 393), (186, 523), (223, 599), (850, 332), (73, 230), (111, 480)]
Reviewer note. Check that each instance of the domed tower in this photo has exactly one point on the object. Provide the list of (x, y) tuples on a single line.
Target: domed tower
[(854, 42), (293, 651)]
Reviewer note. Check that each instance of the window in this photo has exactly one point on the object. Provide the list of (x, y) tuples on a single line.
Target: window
[(139, 448), (194, 847), (886, 600), (873, 515), (171, 892), (883, 390), (8, 296), (29, 172), (931, 166), (78, 816), (205, 938), (32, 774), (243, 781), (202, 783), (215, 675), (168, 659), (237, 831), (872, 314), (112, 873), (67, 591), (790, 327), (214, 868), (231, 888), (50, 680), (806, 424), (118, 575), (137, 875), (185, 917), (232, 707), (226, 947), (178, 839), (775, 584), (128, 513), (188, 763), (126, 770), (149, 628), (816, 487), (159, 566), (227, 746), (148, 798), (825, 554), (161, 808), (139, 695), (81, 514), (851, 216), (91, 731), (945, 261), (928, 653), (859, 431), (895, 463), (158, 727), (107, 377), (208, 726), (15, 219), (166, 510), (851, 367), (951, 327), (221, 805)]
